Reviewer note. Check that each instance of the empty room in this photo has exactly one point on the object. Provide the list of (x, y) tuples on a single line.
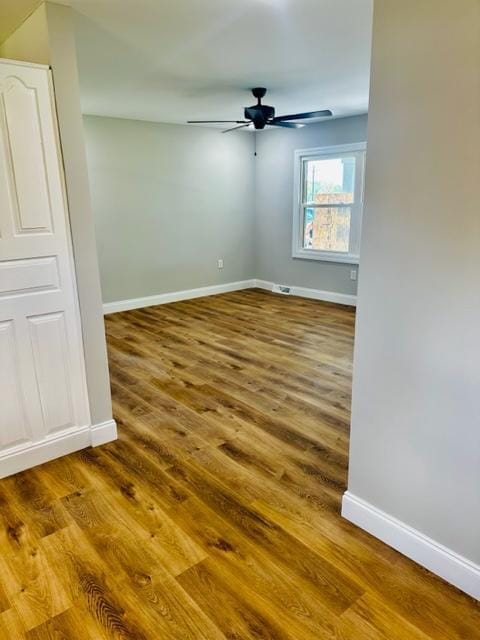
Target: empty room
[(239, 320)]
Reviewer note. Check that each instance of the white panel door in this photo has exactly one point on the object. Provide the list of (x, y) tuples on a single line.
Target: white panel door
[(42, 377)]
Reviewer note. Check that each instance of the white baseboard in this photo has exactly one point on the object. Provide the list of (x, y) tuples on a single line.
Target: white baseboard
[(103, 432), (438, 559), (314, 294), (176, 296), (30, 455), (188, 294)]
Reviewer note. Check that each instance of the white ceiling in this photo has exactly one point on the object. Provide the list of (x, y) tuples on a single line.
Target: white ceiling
[(175, 60)]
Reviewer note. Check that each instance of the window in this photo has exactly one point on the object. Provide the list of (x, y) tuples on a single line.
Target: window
[(328, 204)]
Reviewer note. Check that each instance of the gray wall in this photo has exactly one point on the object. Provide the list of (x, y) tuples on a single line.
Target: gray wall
[(415, 448), (47, 37), (169, 200), (274, 205)]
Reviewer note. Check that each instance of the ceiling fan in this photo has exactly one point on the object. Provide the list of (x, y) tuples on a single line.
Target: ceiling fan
[(261, 115)]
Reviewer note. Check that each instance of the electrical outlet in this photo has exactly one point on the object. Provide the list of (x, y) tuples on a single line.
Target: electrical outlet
[(353, 274), (220, 263)]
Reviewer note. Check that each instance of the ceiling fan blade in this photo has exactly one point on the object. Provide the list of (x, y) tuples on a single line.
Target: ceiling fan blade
[(304, 116), (215, 121), (240, 127), (288, 125)]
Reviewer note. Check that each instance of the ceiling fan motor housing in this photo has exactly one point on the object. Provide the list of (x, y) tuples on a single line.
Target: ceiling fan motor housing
[(259, 114)]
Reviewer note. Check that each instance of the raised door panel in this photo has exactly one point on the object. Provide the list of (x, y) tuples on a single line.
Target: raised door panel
[(52, 370), (24, 159), (13, 419), (33, 275)]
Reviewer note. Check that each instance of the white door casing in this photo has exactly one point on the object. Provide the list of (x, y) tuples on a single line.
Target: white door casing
[(43, 393)]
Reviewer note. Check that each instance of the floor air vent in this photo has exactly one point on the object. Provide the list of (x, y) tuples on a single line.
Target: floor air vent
[(280, 288)]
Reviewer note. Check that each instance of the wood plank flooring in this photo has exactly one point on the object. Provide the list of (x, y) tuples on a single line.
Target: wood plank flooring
[(215, 516)]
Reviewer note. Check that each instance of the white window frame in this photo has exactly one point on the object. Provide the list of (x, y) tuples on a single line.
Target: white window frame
[(357, 150)]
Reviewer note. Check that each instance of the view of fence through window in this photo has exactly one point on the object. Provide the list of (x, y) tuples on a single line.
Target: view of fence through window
[(328, 190)]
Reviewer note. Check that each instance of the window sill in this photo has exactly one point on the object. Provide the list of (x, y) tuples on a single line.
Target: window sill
[(322, 256)]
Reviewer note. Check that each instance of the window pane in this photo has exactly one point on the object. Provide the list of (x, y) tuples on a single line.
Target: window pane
[(329, 181), (327, 228)]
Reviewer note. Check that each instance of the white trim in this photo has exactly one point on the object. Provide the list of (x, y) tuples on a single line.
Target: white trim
[(314, 294), (188, 294), (325, 256), (103, 432), (336, 148), (30, 455), (176, 296), (298, 250), (22, 63), (442, 561)]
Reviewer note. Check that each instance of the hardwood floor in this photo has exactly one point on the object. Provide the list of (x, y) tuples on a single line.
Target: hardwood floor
[(216, 513)]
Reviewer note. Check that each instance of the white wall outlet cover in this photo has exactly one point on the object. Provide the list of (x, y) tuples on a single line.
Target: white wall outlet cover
[(220, 263), (353, 274)]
